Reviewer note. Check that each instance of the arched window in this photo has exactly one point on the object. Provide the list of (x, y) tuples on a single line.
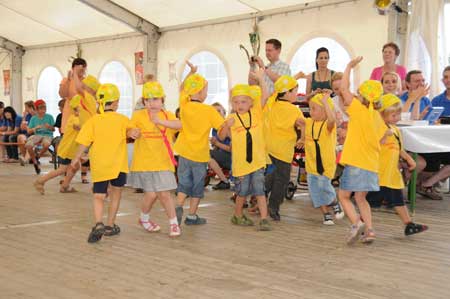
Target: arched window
[(48, 89), (212, 68), (304, 59), (116, 73)]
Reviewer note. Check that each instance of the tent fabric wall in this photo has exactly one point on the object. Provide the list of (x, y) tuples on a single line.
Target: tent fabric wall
[(364, 33), (97, 55), (5, 64)]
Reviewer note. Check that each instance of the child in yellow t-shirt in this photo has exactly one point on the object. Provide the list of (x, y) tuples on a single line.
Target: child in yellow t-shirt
[(192, 144), (320, 151), (153, 164), (361, 153), (281, 137), (66, 150), (391, 181), (245, 128), (106, 133)]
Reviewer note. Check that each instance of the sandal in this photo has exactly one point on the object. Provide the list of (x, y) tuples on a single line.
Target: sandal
[(152, 226), (67, 190), (429, 193), (97, 232), (368, 237), (112, 230), (413, 228), (39, 186)]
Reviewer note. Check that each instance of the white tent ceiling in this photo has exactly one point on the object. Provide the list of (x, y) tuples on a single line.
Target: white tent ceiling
[(35, 22)]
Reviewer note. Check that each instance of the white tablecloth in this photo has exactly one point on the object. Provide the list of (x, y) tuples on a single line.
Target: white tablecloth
[(426, 139)]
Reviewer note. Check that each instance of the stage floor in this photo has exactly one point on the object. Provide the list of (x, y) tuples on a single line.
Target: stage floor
[(44, 253)]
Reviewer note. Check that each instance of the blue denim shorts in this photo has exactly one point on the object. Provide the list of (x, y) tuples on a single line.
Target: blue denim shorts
[(251, 184), (320, 190), (191, 177), (359, 180)]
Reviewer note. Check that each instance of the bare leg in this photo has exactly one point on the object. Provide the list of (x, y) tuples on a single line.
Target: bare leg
[(324, 209), (30, 151), (52, 174), (402, 212), (44, 149), (193, 205), (216, 168), (147, 202), (239, 206), (70, 173), (98, 206), (442, 174), (181, 197), (167, 203), (364, 208), (114, 195), (347, 205), (262, 205)]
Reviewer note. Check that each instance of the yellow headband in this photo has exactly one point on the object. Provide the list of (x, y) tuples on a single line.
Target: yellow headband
[(107, 93), (371, 90), (91, 82), (389, 100), (75, 101), (241, 90), (284, 84), (317, 99), (152, 90)]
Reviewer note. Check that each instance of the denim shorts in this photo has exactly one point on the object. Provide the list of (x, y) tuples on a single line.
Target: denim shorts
[(320, 190), (191, 177), (359, 180), (251, 184)]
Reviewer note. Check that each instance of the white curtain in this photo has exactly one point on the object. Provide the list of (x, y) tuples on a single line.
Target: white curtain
[(426, 45)]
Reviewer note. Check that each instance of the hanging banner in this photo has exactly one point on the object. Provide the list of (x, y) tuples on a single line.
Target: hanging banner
[(7, 82), (139, 67)]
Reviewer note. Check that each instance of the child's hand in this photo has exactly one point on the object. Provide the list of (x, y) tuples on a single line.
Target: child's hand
[(76, 127), (355, 61), (134, 133), (324, 99), (300, 144), (327, 91), (388, 132), (192, 67), (229, 122), (155, 119), (47, 126), (411, 164), (213, 141), (300, 75), (258, 74)]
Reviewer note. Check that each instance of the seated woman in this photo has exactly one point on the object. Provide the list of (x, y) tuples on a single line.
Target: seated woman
[(220, 154), (11, 128), (390, 54)]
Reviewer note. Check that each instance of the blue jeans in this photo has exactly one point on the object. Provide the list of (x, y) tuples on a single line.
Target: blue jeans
[(191, 177), (320, 190), (251, 184)]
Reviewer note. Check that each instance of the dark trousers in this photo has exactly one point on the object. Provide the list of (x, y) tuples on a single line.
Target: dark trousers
[(277, 183), (11, 150)]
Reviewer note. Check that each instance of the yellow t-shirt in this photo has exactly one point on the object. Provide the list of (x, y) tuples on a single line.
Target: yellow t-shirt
[(150, 152), (280, 132), (68, 147), (88, 107), (362, 144), (197, 120), (389, 173), (108, 154), (327, 144), (239, 164)]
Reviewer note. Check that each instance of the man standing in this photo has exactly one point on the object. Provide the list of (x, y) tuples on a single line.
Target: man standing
[(274, 69)]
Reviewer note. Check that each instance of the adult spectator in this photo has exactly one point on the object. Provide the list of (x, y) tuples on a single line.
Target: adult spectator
[(274, 69), (391, 83), (415, 99), (390, 54), (443, 100), (2, 148), (319, 80), (11, 128)]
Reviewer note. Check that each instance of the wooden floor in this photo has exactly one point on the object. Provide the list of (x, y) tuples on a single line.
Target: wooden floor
[(44, 253)]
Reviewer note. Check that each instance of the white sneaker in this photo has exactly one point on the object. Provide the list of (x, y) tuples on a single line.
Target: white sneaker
[(328, 219), (175, 230), (328, 222)]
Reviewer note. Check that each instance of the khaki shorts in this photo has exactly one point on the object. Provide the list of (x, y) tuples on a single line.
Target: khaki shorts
[(34, 140)]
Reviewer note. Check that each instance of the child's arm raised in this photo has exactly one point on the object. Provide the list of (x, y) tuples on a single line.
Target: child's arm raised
[(345, 83), (259, 75), (331, 116), (192, 71)]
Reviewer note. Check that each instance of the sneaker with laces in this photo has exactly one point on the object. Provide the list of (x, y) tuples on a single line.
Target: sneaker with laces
[(355, 232), (338, 213), (196, 221), (222, 186), (242, 221), (414, 228), (175, 230), (264, 225), (328, 219)]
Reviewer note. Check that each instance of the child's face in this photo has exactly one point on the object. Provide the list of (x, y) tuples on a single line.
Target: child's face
[(41, 110), (317, 112), (154, 105), (391, 118), (7, 115), (390, 84), (241, 104), (291, 96)]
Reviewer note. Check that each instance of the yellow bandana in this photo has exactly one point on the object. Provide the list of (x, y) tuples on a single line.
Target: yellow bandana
[(389, 100), (107, 93), (152, 90), (371, 90), (284, 84), (91, 82), (241, 90), (318, 100), (192, 85)]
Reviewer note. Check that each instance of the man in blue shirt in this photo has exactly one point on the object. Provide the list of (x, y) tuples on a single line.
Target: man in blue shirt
[(443, 100), (417, 91)]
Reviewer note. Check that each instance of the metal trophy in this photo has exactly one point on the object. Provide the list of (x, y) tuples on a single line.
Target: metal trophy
[(255, 42)]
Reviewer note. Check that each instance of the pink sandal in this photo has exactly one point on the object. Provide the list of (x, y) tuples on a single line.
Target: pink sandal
[(152, 226)]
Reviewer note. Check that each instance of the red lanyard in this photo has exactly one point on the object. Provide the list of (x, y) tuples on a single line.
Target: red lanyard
[(166, 141)]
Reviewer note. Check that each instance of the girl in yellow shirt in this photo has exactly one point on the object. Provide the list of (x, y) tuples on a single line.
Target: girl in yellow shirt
[(361, 152), (391, 181), (153, 164), (320, 152)]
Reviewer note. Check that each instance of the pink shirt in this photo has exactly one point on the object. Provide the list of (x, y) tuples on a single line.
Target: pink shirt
[(377, 72)]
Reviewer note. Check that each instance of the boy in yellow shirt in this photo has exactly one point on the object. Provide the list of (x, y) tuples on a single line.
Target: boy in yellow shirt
[(245, 127), (391, 181), (153, 164), (320, 151), (66, 150), (281, 137), (361, 153), (106, 133), (192, 144)]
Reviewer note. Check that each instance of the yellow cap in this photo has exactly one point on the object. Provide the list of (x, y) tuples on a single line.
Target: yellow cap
[(284, 84), (194, 84), (75, 101), (241, 90), (152, 90), (91, 82), (107, 93), (255, 92), (371, 90), (389, 100), (317, 99)]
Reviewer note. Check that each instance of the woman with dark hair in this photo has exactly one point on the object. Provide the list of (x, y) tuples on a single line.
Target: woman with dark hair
[(11, 128), (319, 80), (390, 54)]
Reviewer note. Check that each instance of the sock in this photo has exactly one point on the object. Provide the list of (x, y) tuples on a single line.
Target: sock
[(192, 217), (173, 220), (145, 218)]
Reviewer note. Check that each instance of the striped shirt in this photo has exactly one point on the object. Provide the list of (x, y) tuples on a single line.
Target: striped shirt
[(279, 67)]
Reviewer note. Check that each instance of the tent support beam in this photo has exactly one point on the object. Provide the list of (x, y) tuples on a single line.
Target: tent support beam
[(137, 23), (16, 52)]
